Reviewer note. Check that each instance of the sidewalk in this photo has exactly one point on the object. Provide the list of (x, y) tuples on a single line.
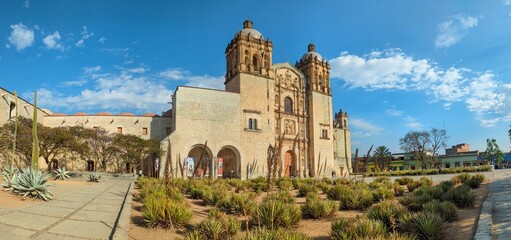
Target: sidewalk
[(99, 211), (501, 196)]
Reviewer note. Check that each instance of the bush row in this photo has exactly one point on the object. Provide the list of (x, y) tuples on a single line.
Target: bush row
[(431, 171)]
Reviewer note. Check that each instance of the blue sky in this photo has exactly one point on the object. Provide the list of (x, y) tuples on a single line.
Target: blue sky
[(396, 66)]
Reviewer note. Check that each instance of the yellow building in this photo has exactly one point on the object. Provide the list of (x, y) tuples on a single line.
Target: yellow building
[(263, 103)]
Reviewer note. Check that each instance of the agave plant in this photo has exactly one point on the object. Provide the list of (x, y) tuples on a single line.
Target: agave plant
[(94, 177), (32, 183), (9, 174), (61, 174)]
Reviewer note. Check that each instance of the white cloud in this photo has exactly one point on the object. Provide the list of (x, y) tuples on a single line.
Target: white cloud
[(413, 124), (21, 36), (85, 35), (393, 112), (112, 92), (393, 70), (452, 31), (52, 41), (369, 128), (506, 2), (26, 4), (204, 81), (102, 40), (77, 83)]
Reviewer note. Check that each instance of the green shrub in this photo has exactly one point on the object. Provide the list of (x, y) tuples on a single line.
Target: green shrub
[(446, 185), (30, 183), (387, 212), (480, 177), (164, 212), (425, 181), (473, 183), (464, 177), (10, 175), (283, 196), (445, 209), (317, 209), (305, 189), (415, 203), (413, 185), (274, 214), (358, 200), (342, 181), (266, 234), (285, 184), (339, 192), (238, 204), (258, 184), (435, 192), (339, 229), (462, 196), (365, 228), (382, 193), (398, 190), (404, 180), (216, 227), (427, 225)]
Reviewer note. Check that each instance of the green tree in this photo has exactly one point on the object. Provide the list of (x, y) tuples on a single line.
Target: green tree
[(101, 148), (382, 158), (509, 134), (135, 150), (493, 154), (24, 140), (55, 142), (417, 142)]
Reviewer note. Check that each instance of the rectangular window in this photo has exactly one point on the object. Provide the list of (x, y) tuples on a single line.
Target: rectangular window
[(167, 130), (95, 129), (119, 130), (144, 131)]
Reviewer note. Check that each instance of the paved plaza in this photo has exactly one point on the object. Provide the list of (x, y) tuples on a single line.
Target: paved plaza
[(99, 211)]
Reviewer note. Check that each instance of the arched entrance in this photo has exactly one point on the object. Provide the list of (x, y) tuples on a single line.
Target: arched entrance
[(54, 164), (289, 164), (229, 158), (198, 161), (90, 166)]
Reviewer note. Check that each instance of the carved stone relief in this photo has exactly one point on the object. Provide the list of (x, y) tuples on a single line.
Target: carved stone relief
[(289, 127)]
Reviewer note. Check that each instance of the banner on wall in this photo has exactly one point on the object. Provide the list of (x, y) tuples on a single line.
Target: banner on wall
[(189, 166), (220, 166)]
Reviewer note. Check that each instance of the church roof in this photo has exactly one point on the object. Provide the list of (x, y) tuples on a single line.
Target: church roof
[(312, 53), (249, 31)]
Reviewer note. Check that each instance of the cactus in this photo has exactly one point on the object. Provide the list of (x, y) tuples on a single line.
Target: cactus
[(35, 141), (15, 129)]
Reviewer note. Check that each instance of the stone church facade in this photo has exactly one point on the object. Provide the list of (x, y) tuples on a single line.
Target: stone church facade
[(263, 104)]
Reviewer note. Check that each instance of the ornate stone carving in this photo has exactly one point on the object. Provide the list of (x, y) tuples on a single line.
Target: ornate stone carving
[(289, 126)]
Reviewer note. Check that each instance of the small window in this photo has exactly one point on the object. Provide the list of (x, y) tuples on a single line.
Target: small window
[(324, 133), (119, 130), (167, 130), (252, 123), (95, 129), (144, 131), (288, 105)]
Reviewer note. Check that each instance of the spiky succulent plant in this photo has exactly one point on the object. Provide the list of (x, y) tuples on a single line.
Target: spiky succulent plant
[(9, 174), (61, 174), (31, 183), (94, 177)]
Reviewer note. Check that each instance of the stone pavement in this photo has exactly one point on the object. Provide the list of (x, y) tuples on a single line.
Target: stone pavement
[(500, 197), (99, 211)]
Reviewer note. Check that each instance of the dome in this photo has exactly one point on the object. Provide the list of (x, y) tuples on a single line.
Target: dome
[(126, 114), (59, 114), (150, 115), (312, 53), (249, 31), (80, 114), (103, 114)]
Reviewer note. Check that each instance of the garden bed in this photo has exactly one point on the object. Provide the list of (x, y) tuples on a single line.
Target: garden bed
[(463, 228)]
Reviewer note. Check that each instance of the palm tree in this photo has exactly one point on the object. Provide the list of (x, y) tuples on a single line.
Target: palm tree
[(382, 158)]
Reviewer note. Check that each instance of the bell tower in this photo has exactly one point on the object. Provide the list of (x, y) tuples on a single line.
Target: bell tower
[(319, 111), (248, 53), (316, 70)]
